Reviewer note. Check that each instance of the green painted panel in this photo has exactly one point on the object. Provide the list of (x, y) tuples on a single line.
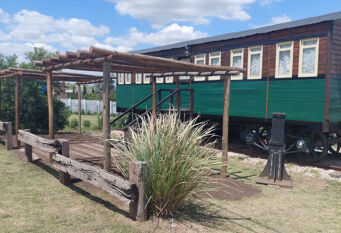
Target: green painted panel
[(301, 99), (335, 98)]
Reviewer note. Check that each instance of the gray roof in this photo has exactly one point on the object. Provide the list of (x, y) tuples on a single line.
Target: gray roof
[(234, 35)]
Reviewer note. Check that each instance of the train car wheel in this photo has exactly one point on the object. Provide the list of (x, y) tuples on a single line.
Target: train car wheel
[(335, 149), (317, 144)]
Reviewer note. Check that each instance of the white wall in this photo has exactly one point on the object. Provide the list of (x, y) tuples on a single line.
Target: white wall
[(93, 106)]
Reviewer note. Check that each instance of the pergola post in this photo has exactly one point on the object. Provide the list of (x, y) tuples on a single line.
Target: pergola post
[(178, 94), (227, 84), (106, 115), (50, 103), (0, 98), (154, 102), (79, 109), (17, 108)]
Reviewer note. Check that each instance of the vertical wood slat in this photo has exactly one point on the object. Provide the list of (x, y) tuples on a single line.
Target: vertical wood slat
[(50, 103), (79, 109), (64, 150), (227, 84), (178, 94), (17, 108), (106, 115), (28, 150), (138, 176), (8, 136), (154, 101)]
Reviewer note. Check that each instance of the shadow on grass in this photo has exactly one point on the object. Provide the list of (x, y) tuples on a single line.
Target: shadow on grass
[(204, 215), (237, 175), (81, 191)]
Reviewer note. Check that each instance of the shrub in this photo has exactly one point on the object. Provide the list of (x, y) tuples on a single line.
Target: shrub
[(73, 123), (99, 125), (86, 123), (177, 164)]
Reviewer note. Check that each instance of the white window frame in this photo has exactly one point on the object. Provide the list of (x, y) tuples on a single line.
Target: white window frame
[(159, 79), (212, 55), (316, 46), (278, 50), (169, 79), (146, 80), (120, 78), (249, 62), (232, 55), (136, 81), (126, 75), (199, 57)]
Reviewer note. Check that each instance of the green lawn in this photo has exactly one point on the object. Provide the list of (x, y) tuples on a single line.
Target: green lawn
[(32, 200)]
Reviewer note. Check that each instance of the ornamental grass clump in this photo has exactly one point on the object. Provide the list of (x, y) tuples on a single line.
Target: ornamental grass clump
[(177, 164)]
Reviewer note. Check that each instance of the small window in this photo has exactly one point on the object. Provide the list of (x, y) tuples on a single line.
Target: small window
[(255, 62), (138, 78), (201, 60), (146, 79), (308, 59), (169, 79), (159, 80), (128, 78), (214, 60), (120, 78), (284, 53), (237, 60)]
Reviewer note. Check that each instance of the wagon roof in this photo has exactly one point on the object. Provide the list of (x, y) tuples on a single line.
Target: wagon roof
[(235, 35)]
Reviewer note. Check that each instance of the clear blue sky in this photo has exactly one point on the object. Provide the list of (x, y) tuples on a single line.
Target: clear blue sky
[(135, 24)]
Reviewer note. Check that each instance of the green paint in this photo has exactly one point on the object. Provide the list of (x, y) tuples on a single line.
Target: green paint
[(335, 98)]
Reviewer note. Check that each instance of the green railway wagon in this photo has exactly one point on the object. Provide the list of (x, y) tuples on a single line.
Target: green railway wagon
[(291, 67)]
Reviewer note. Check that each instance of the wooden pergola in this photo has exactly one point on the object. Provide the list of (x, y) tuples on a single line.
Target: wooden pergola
[(19, 74), (108, 61)]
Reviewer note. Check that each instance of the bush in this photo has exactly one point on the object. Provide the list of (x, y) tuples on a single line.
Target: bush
[(73, 123), (99, 125), (177, 166), (86, 123)]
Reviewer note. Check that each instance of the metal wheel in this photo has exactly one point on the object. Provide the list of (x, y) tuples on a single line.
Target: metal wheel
[(317, 144), (335, 149)]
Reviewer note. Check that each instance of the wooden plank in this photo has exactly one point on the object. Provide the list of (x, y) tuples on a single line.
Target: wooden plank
[(115, 185), (106, 115), (42, 144), (227, 84), (50, 103), (64, 150), (79, 109), (28, 152)]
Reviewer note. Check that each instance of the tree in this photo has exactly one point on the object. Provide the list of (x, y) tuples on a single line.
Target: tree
[(84, 90)]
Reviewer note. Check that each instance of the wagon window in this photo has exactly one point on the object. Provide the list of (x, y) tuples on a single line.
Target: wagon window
[(169, 79), (237, 61), (214, 60), (284, 54), (127, 78), (138, 78), (255, 62), (159, 80), (308, 61), (120, 78), (201, 60), (146, 79)]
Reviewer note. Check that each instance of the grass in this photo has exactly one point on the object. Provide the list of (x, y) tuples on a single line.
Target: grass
[(32, 200)]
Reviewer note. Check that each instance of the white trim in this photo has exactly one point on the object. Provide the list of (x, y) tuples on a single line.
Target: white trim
[(278, 50), (140, 79), (169, 79), (127, 78), (232, 55), (200, 57), (120, 78), (316, 46), (249, 62), (146, 80), (211, 56)]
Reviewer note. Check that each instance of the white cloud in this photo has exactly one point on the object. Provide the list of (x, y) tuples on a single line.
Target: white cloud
[(167, 35), (274, 20), (268, 2), (197, 11), (4, 16)]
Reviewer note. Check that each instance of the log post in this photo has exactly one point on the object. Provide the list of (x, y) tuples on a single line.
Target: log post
[(17, 108), (8, 136), (154, 102), (50, 103), (227, 84), (138, 177), (64, 150), (79, 109), (106, 115)]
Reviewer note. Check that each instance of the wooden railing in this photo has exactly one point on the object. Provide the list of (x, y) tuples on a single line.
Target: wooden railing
[(130, 191), (7, 128)]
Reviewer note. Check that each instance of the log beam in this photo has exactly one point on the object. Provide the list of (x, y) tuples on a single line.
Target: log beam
[(227, 84), (50, 103), (106, 115)]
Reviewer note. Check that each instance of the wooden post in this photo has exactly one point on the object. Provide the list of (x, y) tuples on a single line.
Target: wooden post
[(106, 115), (191, 103), (8, 136), (28, 152), (178, 94), (64, 150), (227, 84), (17, 108), (154, 102), (79, 109), (138, 176), (0, 97), (50, 103)]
